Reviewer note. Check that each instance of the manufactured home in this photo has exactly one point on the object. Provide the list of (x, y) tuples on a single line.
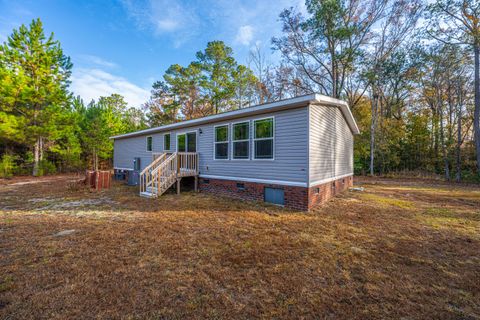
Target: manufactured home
[(297, 153)]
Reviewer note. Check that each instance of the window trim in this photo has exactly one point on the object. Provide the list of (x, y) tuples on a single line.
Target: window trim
[(256, 139), (164, 135), (243, 140), (215, 142), (146, 143), (196, 140), (186, 142)]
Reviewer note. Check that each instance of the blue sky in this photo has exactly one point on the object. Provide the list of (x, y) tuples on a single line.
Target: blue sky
[(123, 46)]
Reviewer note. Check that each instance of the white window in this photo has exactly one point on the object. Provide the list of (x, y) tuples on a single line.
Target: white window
[(241, 140), (221, 142), (166, 142), (149, 143), (263, 138)]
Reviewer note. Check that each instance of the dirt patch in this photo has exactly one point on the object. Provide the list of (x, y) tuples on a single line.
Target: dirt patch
[(393, 251)]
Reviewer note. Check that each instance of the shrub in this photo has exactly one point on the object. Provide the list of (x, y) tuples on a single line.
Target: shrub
[(7, 165), (470, 176), (46, 167)]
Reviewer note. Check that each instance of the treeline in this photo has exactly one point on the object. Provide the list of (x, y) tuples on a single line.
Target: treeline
[(43, 128), (408, 69)]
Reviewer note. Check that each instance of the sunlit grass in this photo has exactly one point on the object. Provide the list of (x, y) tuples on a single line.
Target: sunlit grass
[(388, 201), (459, 220), (390, 252)]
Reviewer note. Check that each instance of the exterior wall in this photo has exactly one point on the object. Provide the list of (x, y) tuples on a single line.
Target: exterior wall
[(343, 146), (290, 163), (125, 150), (330, 145), (320, 194), (297, 198)]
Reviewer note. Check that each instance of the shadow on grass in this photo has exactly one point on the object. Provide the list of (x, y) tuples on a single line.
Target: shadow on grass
[(120, 198)]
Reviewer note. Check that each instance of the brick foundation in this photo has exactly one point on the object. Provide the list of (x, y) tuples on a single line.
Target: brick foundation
[(321, 193), (299, 198)]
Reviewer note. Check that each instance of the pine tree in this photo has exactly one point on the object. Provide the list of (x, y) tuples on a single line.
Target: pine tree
[(219, 65), (101, 120), (34, 81)]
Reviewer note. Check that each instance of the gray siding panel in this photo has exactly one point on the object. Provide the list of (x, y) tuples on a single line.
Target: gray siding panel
[(331, 144), (291, 149), (343, 147)]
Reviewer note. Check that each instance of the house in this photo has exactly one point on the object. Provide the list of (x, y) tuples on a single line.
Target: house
[(296, 152)]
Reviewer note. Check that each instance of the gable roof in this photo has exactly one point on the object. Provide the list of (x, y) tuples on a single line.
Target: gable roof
[(315, 99)]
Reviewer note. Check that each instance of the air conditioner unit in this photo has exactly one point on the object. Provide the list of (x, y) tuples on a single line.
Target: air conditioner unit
[(134, 175)]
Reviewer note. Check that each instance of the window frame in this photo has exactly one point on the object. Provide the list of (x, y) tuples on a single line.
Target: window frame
[(151, 143), (249, 122), (177, 136), (254, 139), (215, 141), (170, 146), (186, 139), (196, 140)]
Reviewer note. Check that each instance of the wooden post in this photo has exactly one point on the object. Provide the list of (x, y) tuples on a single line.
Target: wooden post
[(178, 185), (196, 184), (179, 157)]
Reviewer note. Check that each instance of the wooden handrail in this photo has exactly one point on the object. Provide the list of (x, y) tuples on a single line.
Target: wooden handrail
[(166, 173), (163, 171), (146, 177), (153, 163), (187, 163)]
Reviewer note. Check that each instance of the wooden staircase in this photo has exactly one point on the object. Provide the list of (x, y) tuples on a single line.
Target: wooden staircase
[(165, 170)]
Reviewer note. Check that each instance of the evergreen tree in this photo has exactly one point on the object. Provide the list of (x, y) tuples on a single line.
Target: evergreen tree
[(34, 81), (219, 65), (99, 121), (213, 83)]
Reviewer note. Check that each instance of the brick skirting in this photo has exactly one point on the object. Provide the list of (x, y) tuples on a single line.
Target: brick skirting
[(299, 198), (321, 193)]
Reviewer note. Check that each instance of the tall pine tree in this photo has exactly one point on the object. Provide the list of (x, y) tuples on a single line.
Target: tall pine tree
[(36, 96)]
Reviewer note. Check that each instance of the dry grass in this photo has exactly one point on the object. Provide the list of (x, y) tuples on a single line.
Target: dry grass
[(398, 250)]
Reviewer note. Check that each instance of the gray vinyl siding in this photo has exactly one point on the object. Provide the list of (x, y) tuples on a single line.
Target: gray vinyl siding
[(290, 149), (331, 144), (343, 146), (125, 150)]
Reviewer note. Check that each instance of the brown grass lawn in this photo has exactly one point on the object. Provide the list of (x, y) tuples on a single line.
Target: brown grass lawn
[(401, 249)]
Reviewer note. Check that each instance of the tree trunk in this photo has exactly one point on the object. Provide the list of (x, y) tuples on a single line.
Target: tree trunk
[(476, 115), (41, 148), (436, 138), (95, 160), (458, 176), (444, 149), (372, 132), (333, 71), (36, 157)]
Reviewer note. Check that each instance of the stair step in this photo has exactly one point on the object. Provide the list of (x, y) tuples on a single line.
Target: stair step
[(152, 189), (160, 181), (147, 194)]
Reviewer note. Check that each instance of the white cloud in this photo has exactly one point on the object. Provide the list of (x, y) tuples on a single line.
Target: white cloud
[(240, 23), (244, 35), (91, 59), (94, 83), (244, 23), (167, 24), (165, 17)]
